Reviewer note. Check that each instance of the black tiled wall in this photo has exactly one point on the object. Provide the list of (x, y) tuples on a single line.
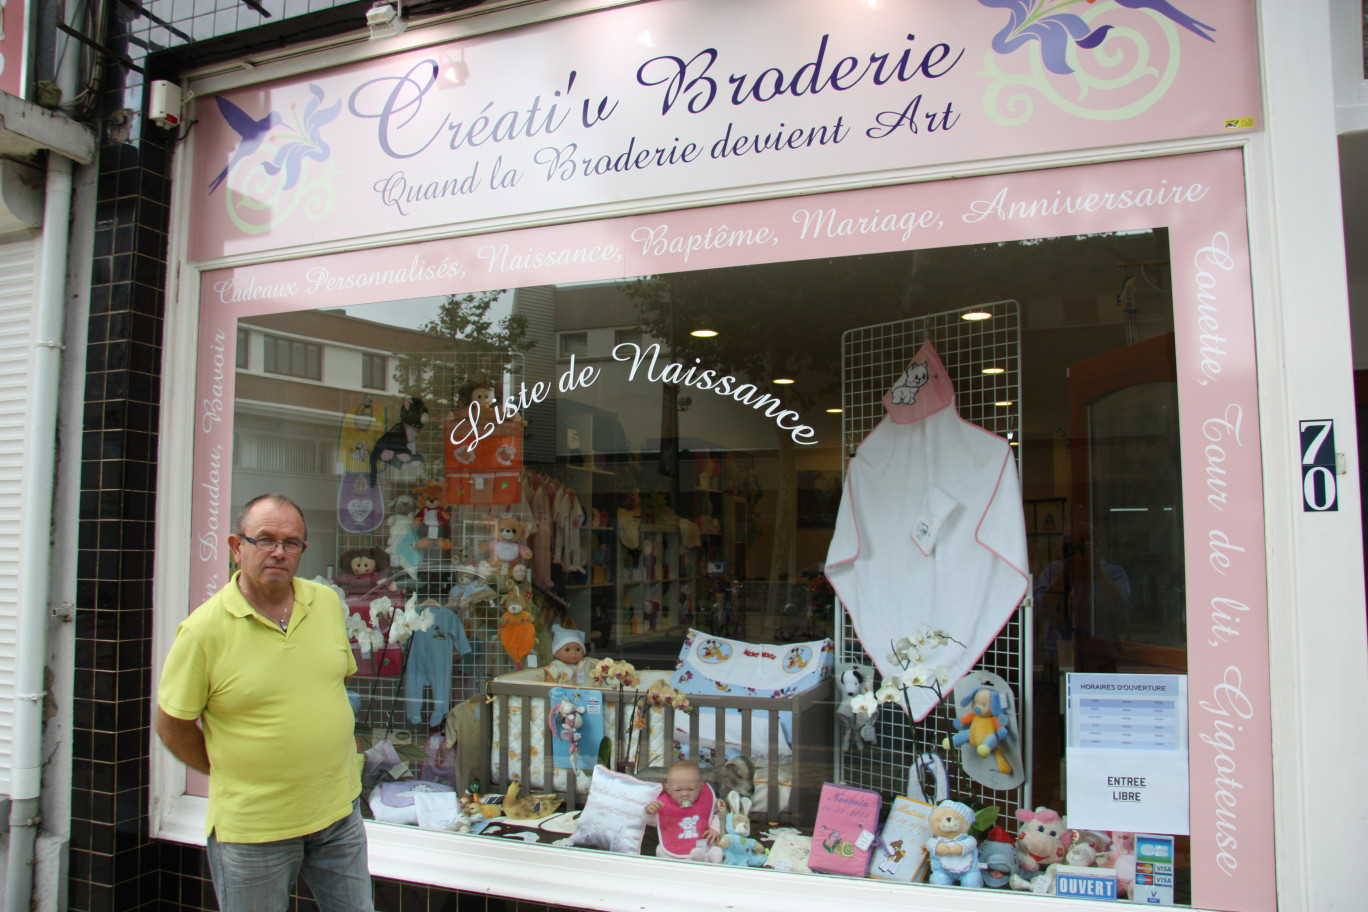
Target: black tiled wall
[(115, 867)]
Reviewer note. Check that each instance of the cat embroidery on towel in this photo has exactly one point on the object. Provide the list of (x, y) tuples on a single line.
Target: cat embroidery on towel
[(912, 380)]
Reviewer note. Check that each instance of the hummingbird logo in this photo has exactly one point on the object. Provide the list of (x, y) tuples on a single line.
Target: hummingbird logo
[(251, 131)]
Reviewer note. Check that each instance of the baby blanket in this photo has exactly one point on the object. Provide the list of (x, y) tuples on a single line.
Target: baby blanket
[(930, 534)]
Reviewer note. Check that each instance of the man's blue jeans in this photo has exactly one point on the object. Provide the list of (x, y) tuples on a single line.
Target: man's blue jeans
[(257, 876)]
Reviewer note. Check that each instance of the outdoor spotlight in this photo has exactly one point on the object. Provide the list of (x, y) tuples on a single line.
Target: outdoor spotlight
[(385, 18)]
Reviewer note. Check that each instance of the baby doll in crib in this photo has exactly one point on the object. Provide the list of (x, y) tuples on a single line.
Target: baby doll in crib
[(569, 665), (686, 816)]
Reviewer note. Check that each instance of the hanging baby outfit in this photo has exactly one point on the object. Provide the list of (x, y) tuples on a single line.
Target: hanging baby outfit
[(542, 540), (429, 665), (930, 534)]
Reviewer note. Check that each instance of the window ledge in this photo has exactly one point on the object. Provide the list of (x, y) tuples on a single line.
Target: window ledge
[(621, 883)]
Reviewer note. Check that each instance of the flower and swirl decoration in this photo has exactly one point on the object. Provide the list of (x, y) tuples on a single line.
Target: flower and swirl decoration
[(260, 193), (1081, 64)]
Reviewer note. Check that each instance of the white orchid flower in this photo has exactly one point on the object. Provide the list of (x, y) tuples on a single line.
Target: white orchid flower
[(380, 609), (942, 676), (410, 620), (355, 624), (865, 703), (399, 628), (916, 676), (369, 640), (423, 620), (888, 691)]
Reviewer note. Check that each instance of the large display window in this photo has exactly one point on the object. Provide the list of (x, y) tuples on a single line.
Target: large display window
[(861, 502)]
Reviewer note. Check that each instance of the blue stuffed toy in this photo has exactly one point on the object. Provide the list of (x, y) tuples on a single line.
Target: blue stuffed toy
[(737, 846)]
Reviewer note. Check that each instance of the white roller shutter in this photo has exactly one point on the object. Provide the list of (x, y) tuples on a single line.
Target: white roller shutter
[(17, 283)]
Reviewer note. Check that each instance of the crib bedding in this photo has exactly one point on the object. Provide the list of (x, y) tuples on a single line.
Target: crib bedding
[(706, 720), (766, 729), (529, 748)]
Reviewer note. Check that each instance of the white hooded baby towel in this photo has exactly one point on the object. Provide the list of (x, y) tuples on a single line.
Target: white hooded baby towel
[(930, 534)]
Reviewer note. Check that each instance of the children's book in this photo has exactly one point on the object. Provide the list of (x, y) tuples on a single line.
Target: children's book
[(844, 832), (900, 851)]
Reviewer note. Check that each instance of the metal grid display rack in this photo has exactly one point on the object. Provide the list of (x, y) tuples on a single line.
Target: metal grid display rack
[(872, 358), (436, 378)]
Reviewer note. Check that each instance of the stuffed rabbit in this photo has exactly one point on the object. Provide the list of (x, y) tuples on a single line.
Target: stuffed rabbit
[(736, 845)]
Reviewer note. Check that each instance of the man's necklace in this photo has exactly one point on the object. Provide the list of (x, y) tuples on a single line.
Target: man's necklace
[(283, 622)]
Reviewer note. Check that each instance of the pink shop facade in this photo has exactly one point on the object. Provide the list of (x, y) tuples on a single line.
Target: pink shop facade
[(692, 254)]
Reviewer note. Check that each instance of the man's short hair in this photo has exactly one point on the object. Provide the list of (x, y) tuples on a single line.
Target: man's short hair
[(278, 499)]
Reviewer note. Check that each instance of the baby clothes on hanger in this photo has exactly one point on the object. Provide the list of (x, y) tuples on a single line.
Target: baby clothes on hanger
[(430, 662), (542, 541)]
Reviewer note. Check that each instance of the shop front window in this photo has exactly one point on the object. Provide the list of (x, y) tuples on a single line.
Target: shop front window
[(575, 535)]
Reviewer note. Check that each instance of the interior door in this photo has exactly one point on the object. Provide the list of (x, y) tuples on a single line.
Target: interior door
[(1124, 556)]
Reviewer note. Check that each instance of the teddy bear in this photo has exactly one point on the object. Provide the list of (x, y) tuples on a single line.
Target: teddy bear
[(952, 849), (432, 520), (509, 545), (398, 446), (517, 628), (1043, 839)]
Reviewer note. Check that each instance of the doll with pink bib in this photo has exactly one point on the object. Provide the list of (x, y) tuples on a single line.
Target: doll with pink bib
[(685, 815)]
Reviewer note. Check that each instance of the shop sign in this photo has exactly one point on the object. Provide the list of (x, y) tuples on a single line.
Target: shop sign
[(1127, 752), (703, 96)]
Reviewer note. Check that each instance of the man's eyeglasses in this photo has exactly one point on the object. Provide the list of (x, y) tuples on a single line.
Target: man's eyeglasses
[(291, 546)]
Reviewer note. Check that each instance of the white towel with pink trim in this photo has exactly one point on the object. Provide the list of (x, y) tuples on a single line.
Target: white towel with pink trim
[(930, 534)]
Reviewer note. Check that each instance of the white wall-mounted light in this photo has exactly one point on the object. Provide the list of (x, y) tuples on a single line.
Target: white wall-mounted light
[(385, 18)]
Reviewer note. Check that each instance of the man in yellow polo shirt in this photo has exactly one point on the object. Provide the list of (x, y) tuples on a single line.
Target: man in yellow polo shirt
[(261, 666)]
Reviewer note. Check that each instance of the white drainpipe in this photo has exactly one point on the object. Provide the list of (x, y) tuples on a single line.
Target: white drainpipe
[(35, 524), (35, 519)]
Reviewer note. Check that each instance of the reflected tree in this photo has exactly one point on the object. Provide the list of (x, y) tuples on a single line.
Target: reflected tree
[(468, 346)]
